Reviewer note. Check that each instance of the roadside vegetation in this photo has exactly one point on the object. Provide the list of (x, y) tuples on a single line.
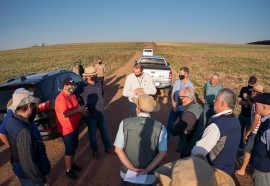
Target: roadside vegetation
[(47, 58)]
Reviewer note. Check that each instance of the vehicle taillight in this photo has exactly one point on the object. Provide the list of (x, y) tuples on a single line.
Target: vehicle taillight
[(44, 106), (170, 75)]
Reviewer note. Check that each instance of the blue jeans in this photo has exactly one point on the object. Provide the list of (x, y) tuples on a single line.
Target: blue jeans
[(132, 109), (28, 182), (245, 124), (101, 124), (172, 118), (261, 178)]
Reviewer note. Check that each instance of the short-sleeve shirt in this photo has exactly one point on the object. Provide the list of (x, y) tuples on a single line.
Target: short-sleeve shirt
[(211, 93), (100, 70), (245, 110), (64, 103)]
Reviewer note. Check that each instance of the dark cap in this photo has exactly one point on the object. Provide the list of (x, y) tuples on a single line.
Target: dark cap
[(252, 80), (263, 98), (69, 81)]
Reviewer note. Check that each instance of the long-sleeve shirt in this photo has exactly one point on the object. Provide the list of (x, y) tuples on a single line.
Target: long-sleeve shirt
[(132, 83)]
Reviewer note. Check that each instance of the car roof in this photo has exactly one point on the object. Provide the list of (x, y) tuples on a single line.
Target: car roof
[(31, 78)]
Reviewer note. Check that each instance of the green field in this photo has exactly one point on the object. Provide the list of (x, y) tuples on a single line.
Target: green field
[(47, 58), (235, 63)]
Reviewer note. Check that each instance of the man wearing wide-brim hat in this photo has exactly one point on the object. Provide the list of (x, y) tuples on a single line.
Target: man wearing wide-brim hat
[(141, 142), (28, 155), (192, 171), (261, 151), (91, 92)]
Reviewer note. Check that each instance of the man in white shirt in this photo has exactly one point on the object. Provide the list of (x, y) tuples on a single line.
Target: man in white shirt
[(138, 83), (221, 138)]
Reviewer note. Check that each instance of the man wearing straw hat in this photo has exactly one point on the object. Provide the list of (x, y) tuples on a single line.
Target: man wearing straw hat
[(141, 142), (91, 94), (192, 171), (261, 151)]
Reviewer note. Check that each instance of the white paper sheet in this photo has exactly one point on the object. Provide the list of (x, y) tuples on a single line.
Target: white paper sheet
[(132, 177)]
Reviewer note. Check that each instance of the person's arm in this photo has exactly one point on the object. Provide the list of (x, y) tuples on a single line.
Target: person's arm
[(79, 109), (254, 124), (150, 87), (4, 139), (26, 156), (124, 159), (127, 92), (209, 139), (186, 123), (154, 163)]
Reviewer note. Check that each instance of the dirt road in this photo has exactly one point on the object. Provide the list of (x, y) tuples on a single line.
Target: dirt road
[(104, 171)]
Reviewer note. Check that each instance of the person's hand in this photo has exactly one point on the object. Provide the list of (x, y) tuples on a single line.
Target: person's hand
[(138, 91), (142, 172), (83, 110), (238, 100), (245, 95), (247, 133)]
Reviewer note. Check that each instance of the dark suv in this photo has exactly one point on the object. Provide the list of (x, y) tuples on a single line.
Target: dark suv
[(45, 86)]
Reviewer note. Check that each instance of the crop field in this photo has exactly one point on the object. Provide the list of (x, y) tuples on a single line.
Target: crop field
[(234, 63), (47, 58)]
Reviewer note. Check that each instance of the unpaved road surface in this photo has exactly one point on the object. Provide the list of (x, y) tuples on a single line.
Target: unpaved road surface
[(104, 171)]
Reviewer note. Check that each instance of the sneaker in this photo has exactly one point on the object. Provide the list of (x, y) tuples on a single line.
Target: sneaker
[(76, 167), (110, 151), (71, 175), (96, 155)]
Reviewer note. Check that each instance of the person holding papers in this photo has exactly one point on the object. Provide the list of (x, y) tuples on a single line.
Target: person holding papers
[(141, 143)]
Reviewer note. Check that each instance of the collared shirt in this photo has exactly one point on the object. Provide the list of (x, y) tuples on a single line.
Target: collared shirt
[(265, 137), (209, 138), (162, 146), (132, 82)]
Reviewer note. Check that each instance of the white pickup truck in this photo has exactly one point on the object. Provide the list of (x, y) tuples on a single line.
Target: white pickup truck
[(159, 69)]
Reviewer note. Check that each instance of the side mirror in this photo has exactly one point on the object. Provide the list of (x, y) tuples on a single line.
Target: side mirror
[(135, 62)]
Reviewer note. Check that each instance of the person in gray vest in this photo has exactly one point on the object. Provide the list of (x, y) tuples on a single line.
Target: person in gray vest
[(261, 150), (191, 124), (141, 142), (221, 138)]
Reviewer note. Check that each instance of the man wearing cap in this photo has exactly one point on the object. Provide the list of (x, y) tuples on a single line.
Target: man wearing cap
[(138, 83), (261, 152), (243, 98), (90, 93), (191, 124), (141, 142), (68, 113), (3, 131), (221, 138), (100, 68), (252, 131), (28, 154)]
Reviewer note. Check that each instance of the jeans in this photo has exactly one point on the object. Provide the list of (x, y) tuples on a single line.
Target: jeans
[(208, 112), (28, 182), (132, 109), (101, 79), (260, 178), (245, 124), (172, 118), (101, 124)]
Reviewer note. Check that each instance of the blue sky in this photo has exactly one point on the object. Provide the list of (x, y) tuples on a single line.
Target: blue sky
[(24, 23)]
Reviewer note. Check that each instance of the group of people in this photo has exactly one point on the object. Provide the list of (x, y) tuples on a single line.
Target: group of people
[(209, 135)]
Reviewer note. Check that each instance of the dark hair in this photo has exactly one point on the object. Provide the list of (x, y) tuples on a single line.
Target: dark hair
[(138, 66), (252, 80), (185, 69)]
